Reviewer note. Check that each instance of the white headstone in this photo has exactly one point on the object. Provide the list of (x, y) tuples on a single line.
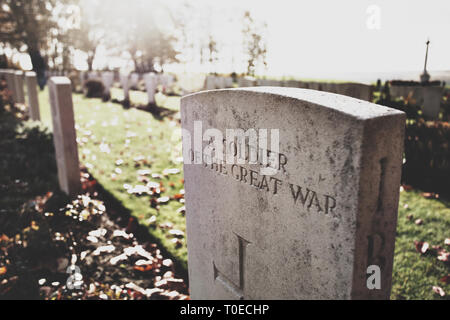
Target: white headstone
[(314, 225), (11, 83), (134, 80), (432, 97), (33, 100), (210, 83), (20, 97), (64, 135), (150, 85), (108, 80), (124, 81), (246, 82)]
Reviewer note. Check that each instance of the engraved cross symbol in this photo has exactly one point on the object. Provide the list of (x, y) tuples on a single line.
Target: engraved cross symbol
[(237, 290)]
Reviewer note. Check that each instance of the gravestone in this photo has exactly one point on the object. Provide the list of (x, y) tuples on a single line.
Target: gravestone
[(19, 95), (134, 81), (355, 90), (124, 81), (228, 82), (108, 80), (64, 135), (220, 83), (150, 85), (11, 83), (93, 75), (33, 101), (432, 97), (191, 82), (210, 83), (246, 82), (313, 225)]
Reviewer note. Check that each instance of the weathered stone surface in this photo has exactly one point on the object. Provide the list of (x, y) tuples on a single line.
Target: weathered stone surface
[(19, 94), (33, 101), (309, 231), (64, 135)]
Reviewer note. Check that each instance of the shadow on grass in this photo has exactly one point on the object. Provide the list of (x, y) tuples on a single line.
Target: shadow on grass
[(158, 112), (123, 217)]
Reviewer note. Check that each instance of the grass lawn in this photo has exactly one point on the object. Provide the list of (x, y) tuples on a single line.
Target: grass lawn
[(115, 143)]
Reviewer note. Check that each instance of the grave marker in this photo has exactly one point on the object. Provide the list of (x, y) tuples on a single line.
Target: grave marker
[(11, 83), (124, 81), (312, 228), (33, 101), (150, 85), (18, 78), (64, 135)]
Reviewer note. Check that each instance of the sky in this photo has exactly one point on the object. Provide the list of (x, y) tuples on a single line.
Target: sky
[(321, 38), (329, 36)]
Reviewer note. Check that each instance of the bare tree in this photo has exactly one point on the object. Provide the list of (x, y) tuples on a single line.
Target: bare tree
[(255, 45)]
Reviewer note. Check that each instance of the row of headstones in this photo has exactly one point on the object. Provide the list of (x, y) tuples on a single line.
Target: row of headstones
[(351, 89), (428, 97), (15, 83), (131, 81)]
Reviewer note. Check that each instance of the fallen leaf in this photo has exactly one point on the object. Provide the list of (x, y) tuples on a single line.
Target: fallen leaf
[(439, 291), (445, 279), (421, 247), (176, 233), (443, 256), (2, 270), (418, 222)]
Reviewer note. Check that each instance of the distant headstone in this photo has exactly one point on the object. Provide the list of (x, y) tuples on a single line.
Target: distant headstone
[(246, 82), (189, 82), (414, 92), (108, 80), (64, 135), (432, 97), (317, 221), (11, 83), (33, 101), (20, 97), (124, 81), (210, 83), (93, 75), (150, 85), (228, 82), (355, 90), (134, 81)]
